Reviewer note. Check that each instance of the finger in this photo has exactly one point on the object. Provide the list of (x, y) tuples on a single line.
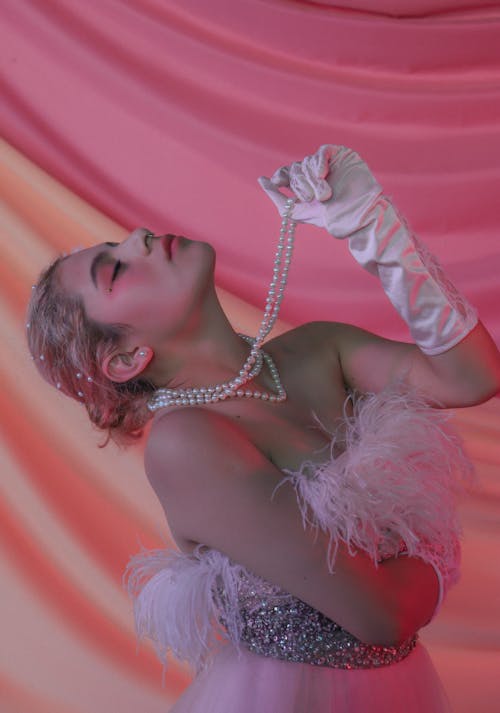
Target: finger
[(281, 177), (322, 159), (274, 193), (321, 189), (299, 183)]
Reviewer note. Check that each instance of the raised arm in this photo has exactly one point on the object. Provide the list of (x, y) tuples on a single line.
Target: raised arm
[(219, 493), (456, 362), (465, 375)]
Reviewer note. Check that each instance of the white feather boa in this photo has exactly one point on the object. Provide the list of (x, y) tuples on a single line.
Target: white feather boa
[(393, 489)]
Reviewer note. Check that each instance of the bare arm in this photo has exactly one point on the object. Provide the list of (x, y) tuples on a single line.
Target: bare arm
[(218, 493), (465, 375), (337, 191)]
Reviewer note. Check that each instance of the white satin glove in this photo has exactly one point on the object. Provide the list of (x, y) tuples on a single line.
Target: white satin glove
[(333, 187), (338, 192)]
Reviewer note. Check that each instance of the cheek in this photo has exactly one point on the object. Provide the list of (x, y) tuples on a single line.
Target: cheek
[(161, 298), (149, 308)]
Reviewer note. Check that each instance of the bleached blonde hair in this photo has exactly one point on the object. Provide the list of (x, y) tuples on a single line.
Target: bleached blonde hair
[(67, 348)]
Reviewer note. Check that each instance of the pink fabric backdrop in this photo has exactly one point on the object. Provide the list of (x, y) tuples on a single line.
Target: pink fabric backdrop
[(163, 113)]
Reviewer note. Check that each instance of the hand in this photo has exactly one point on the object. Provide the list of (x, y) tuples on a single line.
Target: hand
[(334, 186)]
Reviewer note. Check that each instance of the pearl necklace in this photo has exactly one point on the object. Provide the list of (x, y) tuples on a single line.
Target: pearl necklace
[(253, 365)]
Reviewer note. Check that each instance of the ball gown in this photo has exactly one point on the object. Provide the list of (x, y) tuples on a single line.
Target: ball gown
[(391, 490)]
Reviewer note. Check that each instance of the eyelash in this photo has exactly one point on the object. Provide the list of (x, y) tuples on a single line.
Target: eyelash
[(116, 270)]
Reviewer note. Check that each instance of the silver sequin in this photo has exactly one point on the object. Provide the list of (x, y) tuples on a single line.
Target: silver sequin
[(286, 628)]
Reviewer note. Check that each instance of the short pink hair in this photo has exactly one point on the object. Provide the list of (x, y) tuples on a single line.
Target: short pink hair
[(67, 347)]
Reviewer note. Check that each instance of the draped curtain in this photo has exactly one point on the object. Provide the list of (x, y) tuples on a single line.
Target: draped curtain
[(162, 113)]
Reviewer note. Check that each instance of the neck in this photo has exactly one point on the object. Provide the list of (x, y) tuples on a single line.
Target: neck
[(213, 351), (208, 352)]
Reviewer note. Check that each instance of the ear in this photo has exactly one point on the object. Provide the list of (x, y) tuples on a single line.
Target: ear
[(123, 366)]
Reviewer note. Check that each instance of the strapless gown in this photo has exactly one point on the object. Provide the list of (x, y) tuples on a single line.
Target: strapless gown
[(255, 648)]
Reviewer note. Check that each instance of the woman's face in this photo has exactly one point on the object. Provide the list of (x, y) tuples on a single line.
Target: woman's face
[(152, 284)]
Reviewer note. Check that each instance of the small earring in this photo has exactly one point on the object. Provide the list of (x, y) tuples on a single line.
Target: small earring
[(141, 353)]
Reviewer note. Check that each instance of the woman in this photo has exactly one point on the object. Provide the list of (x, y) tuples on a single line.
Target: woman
[(309, 486)]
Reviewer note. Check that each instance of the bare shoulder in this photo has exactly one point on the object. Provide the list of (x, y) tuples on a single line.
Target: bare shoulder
[(188, 444), (363, 360), (311, 335), (203, 468), (322, 342), (330, 335), (321, 335)]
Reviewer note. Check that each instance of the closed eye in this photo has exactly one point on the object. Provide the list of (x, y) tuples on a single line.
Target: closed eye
[(116, 270)]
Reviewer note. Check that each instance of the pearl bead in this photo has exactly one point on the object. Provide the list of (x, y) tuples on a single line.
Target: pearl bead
[(255, 360)]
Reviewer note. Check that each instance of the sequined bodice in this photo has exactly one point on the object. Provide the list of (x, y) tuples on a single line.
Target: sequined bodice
[(395, 484), (281, 626)]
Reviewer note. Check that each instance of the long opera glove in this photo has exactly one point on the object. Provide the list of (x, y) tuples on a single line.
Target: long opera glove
[(338, 192)]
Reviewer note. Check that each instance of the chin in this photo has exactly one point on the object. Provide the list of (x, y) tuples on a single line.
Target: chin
[(209, 254), (205, 264), (207, 246)]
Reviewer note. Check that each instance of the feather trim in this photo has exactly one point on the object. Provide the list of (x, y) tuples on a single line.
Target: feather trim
[(395, 486), (189, 603), (392, 490)]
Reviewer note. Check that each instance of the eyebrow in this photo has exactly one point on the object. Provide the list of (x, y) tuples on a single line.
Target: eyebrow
[(96, 262)]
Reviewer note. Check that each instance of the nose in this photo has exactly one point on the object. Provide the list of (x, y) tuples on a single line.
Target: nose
[(140, 233), (135, 241)]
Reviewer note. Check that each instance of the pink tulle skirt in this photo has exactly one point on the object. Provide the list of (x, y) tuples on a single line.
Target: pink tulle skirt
[(257, 684)]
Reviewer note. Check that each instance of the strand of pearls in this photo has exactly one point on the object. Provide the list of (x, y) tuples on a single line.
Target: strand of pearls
[(253, 365)]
